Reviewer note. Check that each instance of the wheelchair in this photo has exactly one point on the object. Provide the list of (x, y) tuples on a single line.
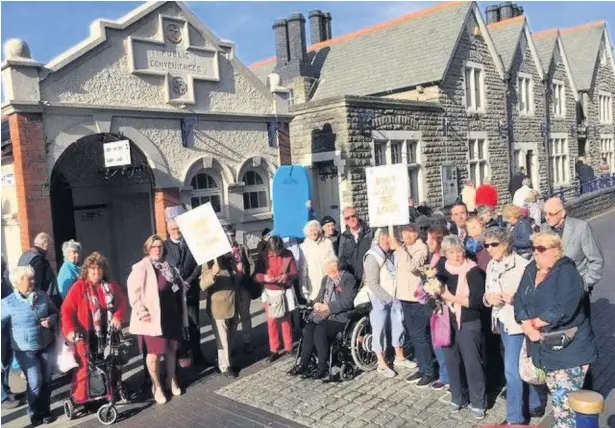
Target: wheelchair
[(350, 350)]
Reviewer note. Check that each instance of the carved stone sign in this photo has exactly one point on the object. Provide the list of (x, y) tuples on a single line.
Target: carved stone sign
[(172, 56)]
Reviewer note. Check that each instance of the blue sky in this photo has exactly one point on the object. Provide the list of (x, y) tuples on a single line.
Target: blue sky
[(52, 27)]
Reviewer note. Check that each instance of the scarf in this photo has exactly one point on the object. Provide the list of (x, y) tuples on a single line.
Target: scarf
[(170, 273), (95, 309), (388, 258), (463, 290), (496, 270), (435, 259)]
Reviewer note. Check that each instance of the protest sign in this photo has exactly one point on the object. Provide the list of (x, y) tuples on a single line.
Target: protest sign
[(203, 233), (387, 195), (291, 201)]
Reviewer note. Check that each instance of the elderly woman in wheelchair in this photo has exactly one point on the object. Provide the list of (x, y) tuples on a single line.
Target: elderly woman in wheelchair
[(328, 318)]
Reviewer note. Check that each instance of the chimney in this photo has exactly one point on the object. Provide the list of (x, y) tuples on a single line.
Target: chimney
[(493, 14), (317, 27), (296, 37), (282, 48), (516, 11), (327, 20), (506, 10)]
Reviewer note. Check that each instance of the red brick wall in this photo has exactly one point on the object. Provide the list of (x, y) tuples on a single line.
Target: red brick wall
[(31, 179), (164, 198)]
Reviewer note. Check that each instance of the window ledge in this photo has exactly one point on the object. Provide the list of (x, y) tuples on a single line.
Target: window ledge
[(255, 217), (472, 112)]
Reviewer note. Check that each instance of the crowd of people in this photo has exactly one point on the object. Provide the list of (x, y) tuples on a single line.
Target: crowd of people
[(508, 282)]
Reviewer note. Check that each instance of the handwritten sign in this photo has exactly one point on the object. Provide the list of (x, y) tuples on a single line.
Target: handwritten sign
[(203, 233), (117, 153), (388, 190)]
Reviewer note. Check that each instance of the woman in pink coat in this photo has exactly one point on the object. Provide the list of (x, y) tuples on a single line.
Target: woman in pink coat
[(157, 295)]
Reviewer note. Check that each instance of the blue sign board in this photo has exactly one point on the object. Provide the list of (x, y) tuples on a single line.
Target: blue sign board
[(291, 201)]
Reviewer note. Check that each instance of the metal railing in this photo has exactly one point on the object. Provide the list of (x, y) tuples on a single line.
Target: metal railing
[(570, 192)]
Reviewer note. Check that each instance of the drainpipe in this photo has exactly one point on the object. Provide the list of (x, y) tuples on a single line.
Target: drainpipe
[(547, 130), (509, 130)]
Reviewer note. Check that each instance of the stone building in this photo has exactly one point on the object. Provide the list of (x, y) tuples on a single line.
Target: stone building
[(591, 62), (425, 90), (149, 111)]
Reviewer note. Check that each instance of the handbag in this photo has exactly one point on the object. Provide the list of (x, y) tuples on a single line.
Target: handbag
[(440, 324), (276, 300), (65, 355), (558, 340), (528, 372)]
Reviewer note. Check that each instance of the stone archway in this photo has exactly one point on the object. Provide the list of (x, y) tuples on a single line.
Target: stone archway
[(109, 210)]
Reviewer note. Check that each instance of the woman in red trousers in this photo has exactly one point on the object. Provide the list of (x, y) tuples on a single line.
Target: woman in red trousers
[(276, 270), (92, 307)]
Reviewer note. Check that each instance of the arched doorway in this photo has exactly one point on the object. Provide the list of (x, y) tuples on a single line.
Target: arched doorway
[(109, 210)]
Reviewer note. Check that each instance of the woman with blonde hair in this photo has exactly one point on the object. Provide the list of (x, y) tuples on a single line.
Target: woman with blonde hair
[(521, 230), (549, 306), (157, 296), (314, 253)]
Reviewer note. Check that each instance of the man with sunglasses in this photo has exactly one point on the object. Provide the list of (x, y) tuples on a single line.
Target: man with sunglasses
[(354, 243)]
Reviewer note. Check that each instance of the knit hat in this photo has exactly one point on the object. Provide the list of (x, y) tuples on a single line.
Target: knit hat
[(265, 232), (438, 220), (326, 220), (423, 221)]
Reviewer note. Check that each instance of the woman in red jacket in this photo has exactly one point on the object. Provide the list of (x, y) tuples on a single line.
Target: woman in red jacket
[(92, 307)]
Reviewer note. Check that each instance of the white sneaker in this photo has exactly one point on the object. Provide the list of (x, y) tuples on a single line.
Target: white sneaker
[(387, 372), (407, 364)]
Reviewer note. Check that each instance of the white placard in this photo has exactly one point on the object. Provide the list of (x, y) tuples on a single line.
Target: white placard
[(8, 179), (388, 190), (203, 233), (117, 153)]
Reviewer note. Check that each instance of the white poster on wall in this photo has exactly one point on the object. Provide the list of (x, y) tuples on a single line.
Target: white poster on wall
[(117, 153), (203, 233), (388, 190)]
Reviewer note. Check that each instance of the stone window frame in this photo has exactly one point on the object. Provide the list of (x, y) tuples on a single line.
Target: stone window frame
[(473, 66), (208, 192), (249, 188), (564, 153), (605, 109), (562, 111), (473, 163), (531, 105), (609, 151), (521, 149), (416, 169)]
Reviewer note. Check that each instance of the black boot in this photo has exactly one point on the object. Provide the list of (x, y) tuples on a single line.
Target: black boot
[(321, 374), (298, 370)]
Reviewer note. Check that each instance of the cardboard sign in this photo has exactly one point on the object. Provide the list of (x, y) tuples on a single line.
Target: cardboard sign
[(388, 190), (203, 233), (117, 153), (291, 201)]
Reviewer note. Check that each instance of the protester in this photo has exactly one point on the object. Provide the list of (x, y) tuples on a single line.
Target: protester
[(93, 307), (314, 253), (262, 244), (423, 223), (71, 269), (157, 296), (487, 194), (330, 232), (605, 168), (410, 256), (44, 277), (29, 315), (468, 195), (521, 230), (332, 304), (549, 302), (522, 192), (516, 182), (465, 287), (586, 175), (504, 274), (459, 215), (277, 270), (439, 219), (435, 237), (178, 255), (354, 243), (474, 246), (219, 281), (487, 216), (413, 213)]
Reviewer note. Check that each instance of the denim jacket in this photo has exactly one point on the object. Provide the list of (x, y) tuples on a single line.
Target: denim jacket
[(24, 320)]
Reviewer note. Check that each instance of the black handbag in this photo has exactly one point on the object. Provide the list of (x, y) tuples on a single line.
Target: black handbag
[(558, 340)]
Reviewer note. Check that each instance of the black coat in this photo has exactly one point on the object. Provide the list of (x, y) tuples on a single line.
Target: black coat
[(351, 252), (44, 277), (516, 182), (345, 293), (180, 256)]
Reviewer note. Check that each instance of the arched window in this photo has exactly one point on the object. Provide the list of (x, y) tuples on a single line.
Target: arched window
[(205, 188), (256, 192)]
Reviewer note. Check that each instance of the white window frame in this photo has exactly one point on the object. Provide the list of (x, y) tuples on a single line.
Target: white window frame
[(256, 188), (471, 105), (607, 149), (563, 157), (558, 110), (475, 162), (407, 138), (605, 108), (218, 191), (525, 90)]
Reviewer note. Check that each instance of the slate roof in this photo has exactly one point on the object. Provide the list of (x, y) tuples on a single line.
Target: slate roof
[(505, 35), (408, 51), (545, 46), (582, 45)]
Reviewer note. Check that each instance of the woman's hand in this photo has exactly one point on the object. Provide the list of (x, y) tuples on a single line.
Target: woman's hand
[(495, 299), (116, 324), (509, 299), (71, 336), (534, 335), (282, 279), (146, 318), (394, 243), (215, 269), (45, 323), (447, 296)]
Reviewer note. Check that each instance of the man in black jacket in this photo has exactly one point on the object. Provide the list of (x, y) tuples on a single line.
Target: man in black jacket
[(44, 277), (516, 181), (354, 243), (179, 255)]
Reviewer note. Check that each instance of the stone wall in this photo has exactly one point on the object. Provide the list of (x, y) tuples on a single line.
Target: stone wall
[(452, 98), (591, 204)]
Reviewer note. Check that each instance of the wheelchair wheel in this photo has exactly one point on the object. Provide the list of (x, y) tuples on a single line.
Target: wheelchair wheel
[(69, 409), (361, 346), (346, 372), (107, 414)]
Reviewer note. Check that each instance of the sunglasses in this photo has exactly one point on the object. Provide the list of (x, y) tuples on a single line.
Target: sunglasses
[(492, 244), (350, 216), (552, 214), (540, 248)]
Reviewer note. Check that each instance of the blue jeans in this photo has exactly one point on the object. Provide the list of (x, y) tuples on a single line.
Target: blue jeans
[(37, 366), (516, 389), (380, 317), (442, 364)]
